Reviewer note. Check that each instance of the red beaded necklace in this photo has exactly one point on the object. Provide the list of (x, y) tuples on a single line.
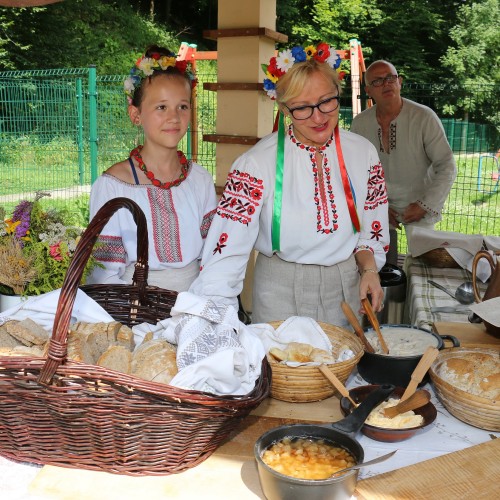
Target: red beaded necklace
[(136, 155)]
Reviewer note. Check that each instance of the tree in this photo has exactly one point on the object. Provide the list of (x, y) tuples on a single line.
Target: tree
[(78, 33), (324, 20), (474, 56)]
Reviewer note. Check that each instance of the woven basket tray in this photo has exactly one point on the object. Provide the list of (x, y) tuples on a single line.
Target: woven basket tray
[(59, 412), (474, 410), (303, 384), (438, 257)]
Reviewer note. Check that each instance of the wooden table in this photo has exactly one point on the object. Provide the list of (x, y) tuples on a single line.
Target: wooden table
[(466, 333), (231, 471)]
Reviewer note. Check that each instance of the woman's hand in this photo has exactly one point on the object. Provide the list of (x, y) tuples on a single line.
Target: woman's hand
[(370, 286)]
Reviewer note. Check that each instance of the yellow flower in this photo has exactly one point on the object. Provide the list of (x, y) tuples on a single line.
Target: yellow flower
[(310, 51), (11, 226), (274, 79), (166, 62)]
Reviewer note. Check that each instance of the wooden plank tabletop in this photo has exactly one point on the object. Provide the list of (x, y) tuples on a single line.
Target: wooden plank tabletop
[(466, 333), (473, 473)]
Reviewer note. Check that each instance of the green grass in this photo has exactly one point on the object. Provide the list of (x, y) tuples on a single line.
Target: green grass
[(468, 210)]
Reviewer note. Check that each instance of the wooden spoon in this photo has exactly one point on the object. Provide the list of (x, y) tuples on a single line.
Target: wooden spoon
[(358, 329), (374, 322), (420, 370), (416, 400), (336, 383)]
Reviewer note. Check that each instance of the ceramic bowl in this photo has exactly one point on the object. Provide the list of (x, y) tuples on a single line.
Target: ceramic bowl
[(428, 411)]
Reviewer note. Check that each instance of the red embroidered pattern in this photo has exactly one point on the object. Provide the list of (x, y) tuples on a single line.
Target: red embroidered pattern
[(206, 222), (376, 231), (242, 194), (221, 243), (377, 191), (321, 198), (110, 249), (166, 239)]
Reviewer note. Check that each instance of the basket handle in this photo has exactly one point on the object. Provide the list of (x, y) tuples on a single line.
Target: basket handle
[(58, 347)]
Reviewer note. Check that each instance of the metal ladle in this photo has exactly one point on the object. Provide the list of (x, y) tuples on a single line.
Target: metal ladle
[(463, 294), (364, 464)]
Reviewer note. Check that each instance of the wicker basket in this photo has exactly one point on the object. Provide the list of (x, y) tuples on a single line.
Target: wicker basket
[(59, 412), (438, 257), (303, 384), (472, 409)]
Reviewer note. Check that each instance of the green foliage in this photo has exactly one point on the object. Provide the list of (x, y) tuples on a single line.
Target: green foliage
[(36, 248), (77, 33), (474, 56)]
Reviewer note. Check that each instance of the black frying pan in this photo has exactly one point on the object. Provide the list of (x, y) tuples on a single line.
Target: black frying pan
[(277, 486)]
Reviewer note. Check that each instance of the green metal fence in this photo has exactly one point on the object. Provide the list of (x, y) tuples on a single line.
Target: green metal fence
[(59, 129)]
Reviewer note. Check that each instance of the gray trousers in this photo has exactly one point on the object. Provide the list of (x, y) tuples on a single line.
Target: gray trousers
[(283, 289)]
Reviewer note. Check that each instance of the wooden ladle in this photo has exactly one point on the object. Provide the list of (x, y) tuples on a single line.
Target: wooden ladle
[(416, 400), (358, 329), (336, 383), (430, 354), (374, 322)]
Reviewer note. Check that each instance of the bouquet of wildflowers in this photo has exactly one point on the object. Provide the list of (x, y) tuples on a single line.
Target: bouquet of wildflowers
[(36, 247)]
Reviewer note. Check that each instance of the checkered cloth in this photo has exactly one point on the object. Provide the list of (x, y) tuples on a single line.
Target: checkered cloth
[(421, 296)]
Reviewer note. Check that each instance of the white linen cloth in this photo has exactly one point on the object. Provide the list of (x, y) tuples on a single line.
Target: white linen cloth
[(297, 329), (42, 310), (462, 247), (492, 243), (488, 310), (216, 352)]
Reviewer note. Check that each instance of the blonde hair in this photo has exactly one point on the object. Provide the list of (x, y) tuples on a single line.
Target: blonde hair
[(291, 84)]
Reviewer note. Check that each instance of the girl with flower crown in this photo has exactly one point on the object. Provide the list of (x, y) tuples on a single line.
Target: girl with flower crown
[(177, 196), (310, 198)]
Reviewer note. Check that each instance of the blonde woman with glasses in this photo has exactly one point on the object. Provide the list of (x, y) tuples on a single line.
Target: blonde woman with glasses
[(310, 198)]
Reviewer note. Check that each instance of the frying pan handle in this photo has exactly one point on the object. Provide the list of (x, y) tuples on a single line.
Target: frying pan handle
[(355, 420)]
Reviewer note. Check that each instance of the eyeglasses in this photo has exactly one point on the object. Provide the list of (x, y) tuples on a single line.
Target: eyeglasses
[(378, 82), (305, 112)]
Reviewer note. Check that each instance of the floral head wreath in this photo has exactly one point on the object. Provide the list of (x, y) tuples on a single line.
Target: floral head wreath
[(147, 66), (285, 59)]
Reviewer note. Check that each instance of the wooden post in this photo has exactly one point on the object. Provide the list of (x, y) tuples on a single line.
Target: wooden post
[(245, 39)]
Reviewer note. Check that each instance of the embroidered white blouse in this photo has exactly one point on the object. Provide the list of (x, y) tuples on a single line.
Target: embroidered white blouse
[(178, 220), (419, 166), (315, 229)]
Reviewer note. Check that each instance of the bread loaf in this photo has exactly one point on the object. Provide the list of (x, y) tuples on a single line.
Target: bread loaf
[(6, 339), (475, 373), (116, 357), (155, 360), (27, 332), (302, 353)]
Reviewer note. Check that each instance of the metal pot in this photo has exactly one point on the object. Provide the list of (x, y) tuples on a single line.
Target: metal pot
[(397, 370), (277, 486)]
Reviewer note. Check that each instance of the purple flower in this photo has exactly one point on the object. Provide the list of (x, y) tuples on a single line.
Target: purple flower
[(22, 213)]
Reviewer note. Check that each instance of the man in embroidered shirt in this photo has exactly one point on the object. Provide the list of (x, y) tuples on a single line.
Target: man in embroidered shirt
[(418, 162)]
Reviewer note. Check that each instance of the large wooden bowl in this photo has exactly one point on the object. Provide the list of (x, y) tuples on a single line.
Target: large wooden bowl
[(304, 384)]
